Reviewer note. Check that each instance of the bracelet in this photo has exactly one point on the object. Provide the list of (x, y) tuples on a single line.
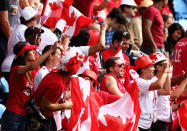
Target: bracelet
[(107, 0)]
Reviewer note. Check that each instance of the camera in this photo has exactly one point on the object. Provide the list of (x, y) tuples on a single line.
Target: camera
[(32, 109)]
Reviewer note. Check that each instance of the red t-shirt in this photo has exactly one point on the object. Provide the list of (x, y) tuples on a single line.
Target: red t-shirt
[(157, 26), (52, 87), (108, 53), (18, 92), (180, 57), (103, 85)]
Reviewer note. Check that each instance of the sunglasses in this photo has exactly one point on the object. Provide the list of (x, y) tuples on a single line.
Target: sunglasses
[(120, 65), (132, 7)]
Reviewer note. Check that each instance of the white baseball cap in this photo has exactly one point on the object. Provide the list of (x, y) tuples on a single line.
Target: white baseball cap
[(28, 12), (128, 2)]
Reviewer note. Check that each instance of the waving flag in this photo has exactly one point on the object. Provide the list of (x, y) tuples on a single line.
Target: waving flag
[(66, 18), (182, 115), (91, 113)]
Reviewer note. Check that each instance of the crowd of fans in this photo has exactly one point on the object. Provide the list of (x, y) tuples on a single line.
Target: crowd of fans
[(127, 40)]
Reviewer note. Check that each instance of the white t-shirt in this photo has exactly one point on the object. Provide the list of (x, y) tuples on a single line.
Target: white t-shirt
[(146, 102), (47, 38), (16, 36), (163, 109), (85, 51), (41, 73)]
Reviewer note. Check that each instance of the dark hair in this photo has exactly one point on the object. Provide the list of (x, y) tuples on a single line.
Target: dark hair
[(20, 60), (25, 22), (110, 62), (171, 7), (118, 35), (139, 71), (117, 14), (165, 17), (170, 43), (174, 27), (46, 48), (81, 39), (158, 63), (124, 6)]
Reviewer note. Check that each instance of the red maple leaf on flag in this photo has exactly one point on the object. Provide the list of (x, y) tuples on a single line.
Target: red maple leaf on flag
[(71, 19), (52, 5)]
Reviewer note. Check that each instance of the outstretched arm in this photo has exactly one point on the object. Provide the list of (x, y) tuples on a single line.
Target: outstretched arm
[(39, 60), (101, 42)]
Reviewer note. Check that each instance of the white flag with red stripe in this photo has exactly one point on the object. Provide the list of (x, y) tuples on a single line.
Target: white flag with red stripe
[(90, 113), (65, 17), (182, 115)]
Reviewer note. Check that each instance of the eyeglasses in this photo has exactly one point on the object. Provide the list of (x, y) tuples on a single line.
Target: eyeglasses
[(120, 65)]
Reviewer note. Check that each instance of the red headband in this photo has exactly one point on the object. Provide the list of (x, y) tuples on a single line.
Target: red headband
[(26, 47)]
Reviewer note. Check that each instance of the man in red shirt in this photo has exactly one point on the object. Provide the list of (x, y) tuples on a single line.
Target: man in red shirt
[(180, 54), (152, 28), (120, 42), (111, 82)]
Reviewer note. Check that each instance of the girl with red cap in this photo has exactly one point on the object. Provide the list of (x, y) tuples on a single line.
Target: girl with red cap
[(21, 84)]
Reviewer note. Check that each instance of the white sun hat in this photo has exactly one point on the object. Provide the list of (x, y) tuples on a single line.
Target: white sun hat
[(128, 2), (28, 12)]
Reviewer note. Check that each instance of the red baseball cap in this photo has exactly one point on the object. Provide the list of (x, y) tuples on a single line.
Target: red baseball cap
[(143, 61), (26, 47), (90, 74)]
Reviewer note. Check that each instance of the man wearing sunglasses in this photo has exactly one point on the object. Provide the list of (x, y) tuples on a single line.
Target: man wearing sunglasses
[(111, 82), (120, 43)]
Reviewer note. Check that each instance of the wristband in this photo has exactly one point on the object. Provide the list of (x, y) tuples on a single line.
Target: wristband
[(107, 0)]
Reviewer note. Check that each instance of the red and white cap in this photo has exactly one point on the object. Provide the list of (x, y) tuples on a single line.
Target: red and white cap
[(28, 12), (71, 60), (157, 57)]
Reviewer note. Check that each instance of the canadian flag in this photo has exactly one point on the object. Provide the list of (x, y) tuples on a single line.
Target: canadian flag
[(90, 111), (65, 17), (182, 115)]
